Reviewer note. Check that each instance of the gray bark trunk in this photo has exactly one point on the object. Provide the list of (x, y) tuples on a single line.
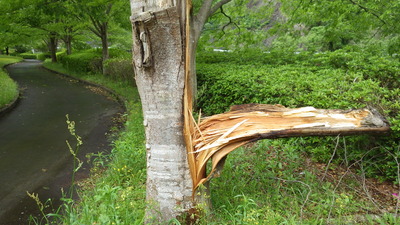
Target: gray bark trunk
[(53, 47), (159, 69), (104, 45), (68, 44)]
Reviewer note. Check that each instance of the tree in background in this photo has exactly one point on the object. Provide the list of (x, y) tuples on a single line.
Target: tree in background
[(55, 20), (338, 23), (12, 32), (98, 15), (242, 25), (47, 18), (70, 26)]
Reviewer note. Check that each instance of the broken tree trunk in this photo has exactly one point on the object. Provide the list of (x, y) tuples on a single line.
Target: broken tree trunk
[(159, 68), (218, 135)]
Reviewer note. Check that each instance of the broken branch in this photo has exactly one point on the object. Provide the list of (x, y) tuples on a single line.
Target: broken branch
[(220, 134)]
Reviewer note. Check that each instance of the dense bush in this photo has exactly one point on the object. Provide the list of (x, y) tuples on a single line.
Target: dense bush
[(85, 61), (27, 56), (43, 56), (91, 60), (119, 53), (120, 69), (339, 79)]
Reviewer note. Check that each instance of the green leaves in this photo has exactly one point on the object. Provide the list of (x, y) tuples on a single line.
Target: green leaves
[(339, 79)]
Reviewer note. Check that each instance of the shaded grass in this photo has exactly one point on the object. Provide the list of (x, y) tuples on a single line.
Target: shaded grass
[(9, 89), (274, 182)]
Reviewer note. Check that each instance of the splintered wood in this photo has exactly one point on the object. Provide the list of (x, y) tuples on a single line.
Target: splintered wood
[(216, 136)]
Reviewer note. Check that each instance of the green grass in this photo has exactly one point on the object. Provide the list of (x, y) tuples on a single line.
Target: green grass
[(270, 182), (9, 89), (115, 194), (273, 182)]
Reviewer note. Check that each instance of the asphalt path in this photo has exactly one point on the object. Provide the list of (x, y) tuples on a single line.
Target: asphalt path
[(34, 156)]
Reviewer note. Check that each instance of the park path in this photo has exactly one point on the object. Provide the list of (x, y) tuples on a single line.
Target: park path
[(33, 152)]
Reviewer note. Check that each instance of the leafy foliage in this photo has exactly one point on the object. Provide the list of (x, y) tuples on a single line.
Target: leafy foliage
[(85, 61), (338, 79), (239, 24), (91, 60), (44, 56), (28, 56), (120, 69)]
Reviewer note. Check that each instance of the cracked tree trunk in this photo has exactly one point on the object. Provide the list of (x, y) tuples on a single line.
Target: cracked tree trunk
[(160, 74)]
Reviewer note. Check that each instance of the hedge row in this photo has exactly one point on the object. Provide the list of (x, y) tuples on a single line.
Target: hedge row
[(118, 67), (85, 61), (39, 56), (332, 80)]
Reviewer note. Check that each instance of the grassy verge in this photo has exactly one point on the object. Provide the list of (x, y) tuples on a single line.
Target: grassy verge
[(115, 194), (9, 89)]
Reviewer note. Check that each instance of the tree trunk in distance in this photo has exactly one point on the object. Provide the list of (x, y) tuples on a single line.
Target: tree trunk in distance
[(104, 45), (159, 68), (53, 47), (68, 44)]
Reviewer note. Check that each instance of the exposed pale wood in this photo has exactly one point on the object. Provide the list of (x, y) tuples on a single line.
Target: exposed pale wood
[(218, 135)]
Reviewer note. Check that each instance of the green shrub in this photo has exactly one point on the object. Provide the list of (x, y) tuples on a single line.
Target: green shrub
[(120, 69), (343, 80), (27, 55), (44, 56), (91, 60), (119, 53), (85, 61), (60, 55)]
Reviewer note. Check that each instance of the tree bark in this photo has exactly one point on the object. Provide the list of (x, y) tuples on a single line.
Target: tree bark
[(104, 45), (159, 68), (68, 43), (104, 41), (53, 47)]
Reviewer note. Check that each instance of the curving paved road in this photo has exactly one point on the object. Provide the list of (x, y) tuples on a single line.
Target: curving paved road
[(33, 153)]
